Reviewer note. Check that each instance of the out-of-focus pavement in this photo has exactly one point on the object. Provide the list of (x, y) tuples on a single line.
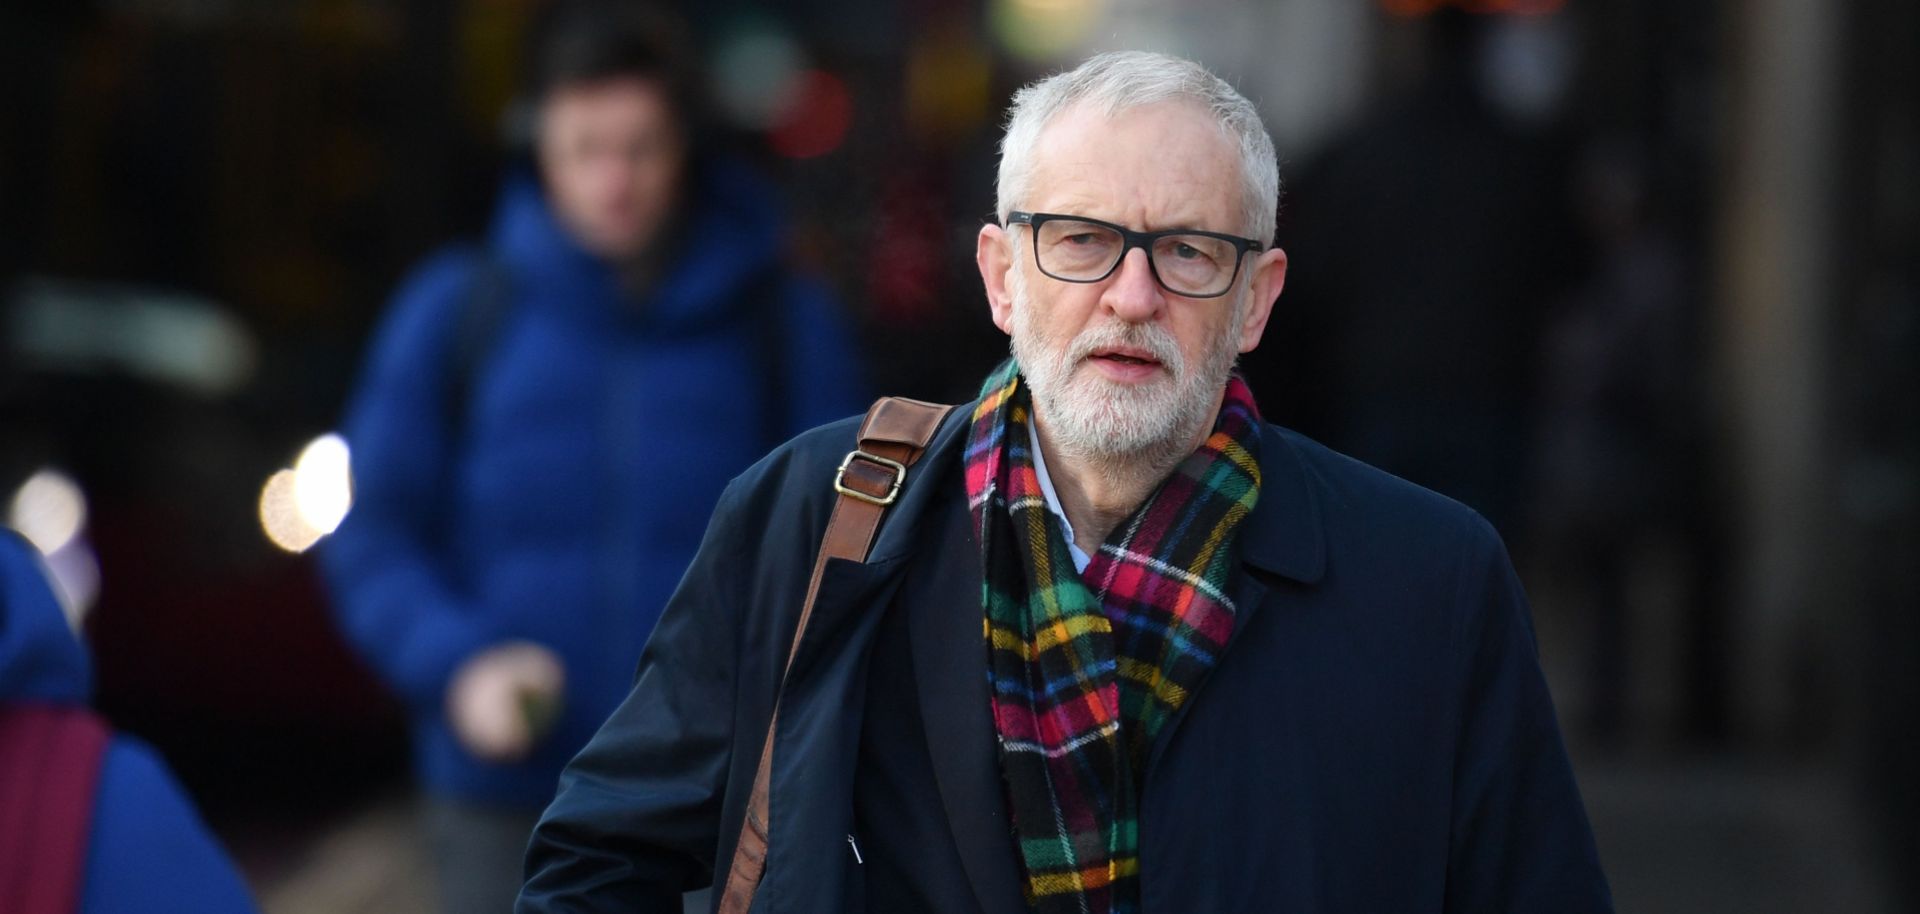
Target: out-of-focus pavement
[(1695, 837), (372, 862), (1703, 837)]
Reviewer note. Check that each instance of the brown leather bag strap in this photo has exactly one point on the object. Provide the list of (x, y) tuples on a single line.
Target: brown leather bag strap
[(896, 432)]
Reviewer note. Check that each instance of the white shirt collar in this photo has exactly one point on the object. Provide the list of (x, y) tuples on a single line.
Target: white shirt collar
[(1080, 557)]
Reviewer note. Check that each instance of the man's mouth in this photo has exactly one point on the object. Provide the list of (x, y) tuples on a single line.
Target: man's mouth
[(1125, 364), (1125, 357)]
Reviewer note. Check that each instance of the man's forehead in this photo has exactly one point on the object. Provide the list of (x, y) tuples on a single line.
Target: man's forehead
[(1165, 162)]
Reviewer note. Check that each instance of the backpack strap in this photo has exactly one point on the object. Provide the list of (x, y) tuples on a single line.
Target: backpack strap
[(896, 432), (50, 759), (484, 308)]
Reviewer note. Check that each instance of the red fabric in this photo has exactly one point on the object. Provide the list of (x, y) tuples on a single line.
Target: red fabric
[(49, 772)]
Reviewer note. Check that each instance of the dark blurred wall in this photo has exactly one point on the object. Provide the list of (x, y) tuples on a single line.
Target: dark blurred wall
[(1876, 403)]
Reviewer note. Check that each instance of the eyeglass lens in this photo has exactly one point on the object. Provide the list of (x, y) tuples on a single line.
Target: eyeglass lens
[(1187, 264)]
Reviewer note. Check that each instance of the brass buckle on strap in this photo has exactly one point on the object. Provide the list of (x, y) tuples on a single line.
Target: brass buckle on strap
[(899, 476)]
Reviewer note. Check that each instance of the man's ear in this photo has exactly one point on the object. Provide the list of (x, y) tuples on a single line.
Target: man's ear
[(1269, 275), (993, 253)]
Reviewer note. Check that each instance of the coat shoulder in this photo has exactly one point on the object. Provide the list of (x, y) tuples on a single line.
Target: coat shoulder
[(783, 499), (1371, 516), (803, 467), (787, 497)]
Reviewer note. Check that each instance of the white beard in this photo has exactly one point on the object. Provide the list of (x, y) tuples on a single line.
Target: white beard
[(1098, 420)]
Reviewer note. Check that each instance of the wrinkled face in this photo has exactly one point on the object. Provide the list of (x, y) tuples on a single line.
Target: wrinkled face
[(1122, 367), (612, 154)]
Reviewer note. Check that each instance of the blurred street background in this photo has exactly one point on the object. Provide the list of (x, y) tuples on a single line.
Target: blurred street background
[(1639, 280)]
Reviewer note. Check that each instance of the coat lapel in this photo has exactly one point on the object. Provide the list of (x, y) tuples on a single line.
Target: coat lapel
[(946, 628), (1283, 539)]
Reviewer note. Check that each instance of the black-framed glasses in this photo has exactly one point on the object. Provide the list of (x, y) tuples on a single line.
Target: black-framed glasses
[(1186, 262)]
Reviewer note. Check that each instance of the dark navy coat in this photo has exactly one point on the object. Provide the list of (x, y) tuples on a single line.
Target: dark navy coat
[(1377, 736)]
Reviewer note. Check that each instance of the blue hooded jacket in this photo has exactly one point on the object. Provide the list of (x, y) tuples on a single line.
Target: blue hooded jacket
[(147, 849), (562, 499)]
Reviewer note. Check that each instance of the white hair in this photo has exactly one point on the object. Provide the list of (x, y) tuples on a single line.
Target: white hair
[(1117, 81)]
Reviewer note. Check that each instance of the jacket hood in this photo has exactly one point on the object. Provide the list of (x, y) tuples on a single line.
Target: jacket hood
[(40, 659), (729, 230)]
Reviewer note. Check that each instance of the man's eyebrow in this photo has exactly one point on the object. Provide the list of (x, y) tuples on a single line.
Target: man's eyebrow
[(1185, 225), (1158, 225)]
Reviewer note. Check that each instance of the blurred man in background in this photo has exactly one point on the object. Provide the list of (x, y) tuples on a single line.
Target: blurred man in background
[(544, 425), (90, 821)]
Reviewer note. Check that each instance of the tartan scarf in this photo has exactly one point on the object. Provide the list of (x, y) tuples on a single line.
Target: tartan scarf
[(1086, 668)]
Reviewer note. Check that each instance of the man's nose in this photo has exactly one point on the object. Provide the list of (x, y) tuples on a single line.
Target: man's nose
[(1132, 294)]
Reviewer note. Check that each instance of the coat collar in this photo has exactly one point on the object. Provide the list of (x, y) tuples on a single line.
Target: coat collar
[(1284, 535)]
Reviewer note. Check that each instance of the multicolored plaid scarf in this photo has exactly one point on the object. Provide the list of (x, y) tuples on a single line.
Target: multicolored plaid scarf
[(1086, 668)]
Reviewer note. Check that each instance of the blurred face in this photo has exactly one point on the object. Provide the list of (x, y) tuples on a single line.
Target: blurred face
[(1122, 367), (612, 154)]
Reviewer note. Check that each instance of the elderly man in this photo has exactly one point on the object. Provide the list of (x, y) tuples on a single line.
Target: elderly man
[(1119, 645)]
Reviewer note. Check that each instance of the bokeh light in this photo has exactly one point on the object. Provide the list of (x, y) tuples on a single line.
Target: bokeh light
[(323, 483), (49, 510), (819, 121), (300, 506), (1045, 30), (1415, 8), (949, 84), (280, 515), (757, 70)]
